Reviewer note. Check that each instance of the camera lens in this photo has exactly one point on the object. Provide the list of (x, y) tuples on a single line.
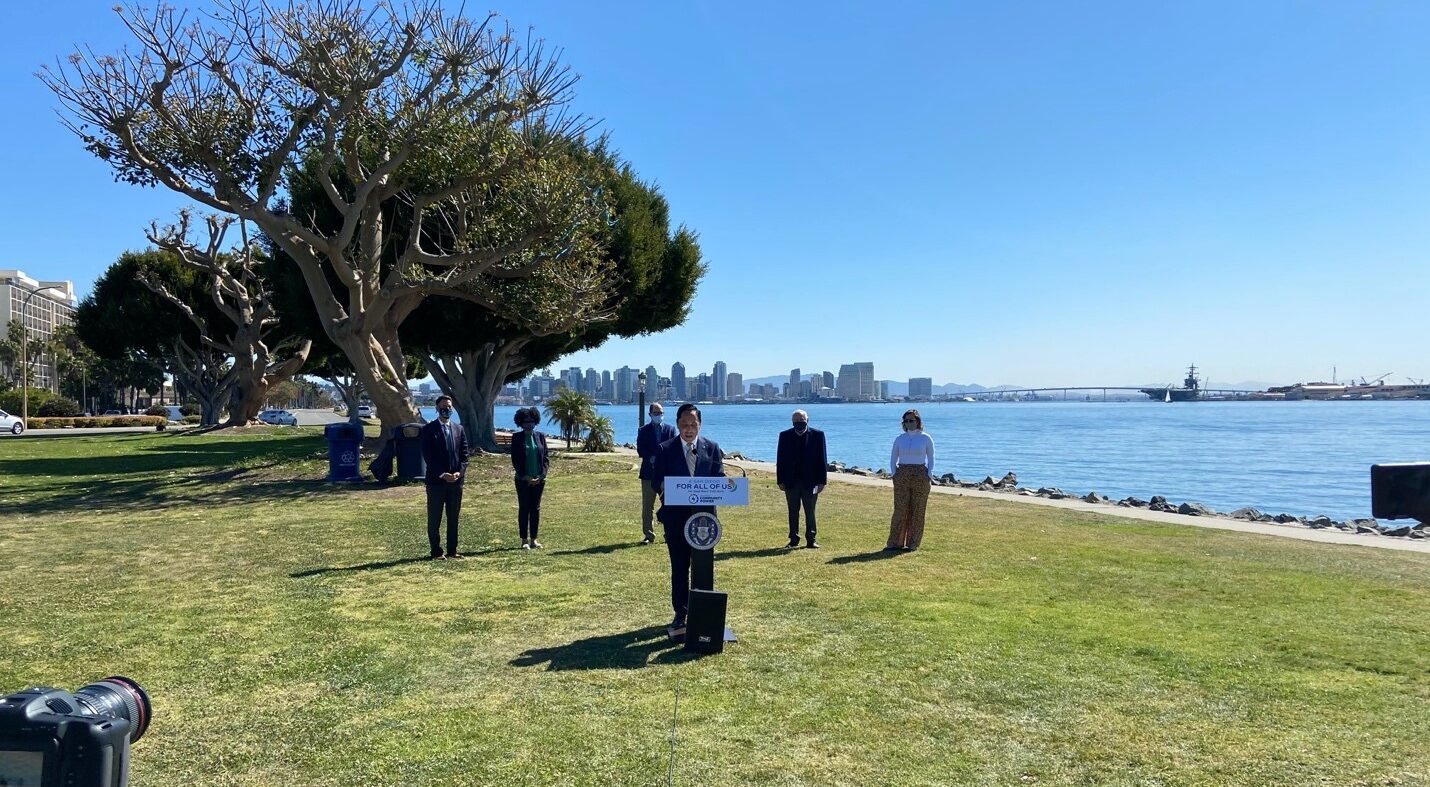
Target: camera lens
[(120, 698)]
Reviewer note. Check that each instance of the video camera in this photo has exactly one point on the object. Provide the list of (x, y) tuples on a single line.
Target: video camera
[(50, 737)]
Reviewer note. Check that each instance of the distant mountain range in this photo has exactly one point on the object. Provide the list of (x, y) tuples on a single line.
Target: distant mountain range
[(901, 387)]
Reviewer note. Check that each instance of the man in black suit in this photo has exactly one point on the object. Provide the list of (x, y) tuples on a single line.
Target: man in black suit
[(444, 449), (687, 454), (801, 471), (648, 441)]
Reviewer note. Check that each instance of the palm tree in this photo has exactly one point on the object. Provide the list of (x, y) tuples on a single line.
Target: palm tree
[(602, 435), (570, 410)]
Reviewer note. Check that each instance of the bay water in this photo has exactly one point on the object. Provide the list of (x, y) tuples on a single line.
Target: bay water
[(1301, 458)]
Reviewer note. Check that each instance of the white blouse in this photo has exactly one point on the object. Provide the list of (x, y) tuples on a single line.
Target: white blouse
[(912, 448)]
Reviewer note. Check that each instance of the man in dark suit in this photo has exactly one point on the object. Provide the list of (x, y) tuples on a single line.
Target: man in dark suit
[(648, 440), (687, 454), (444, 449), (801, 471)]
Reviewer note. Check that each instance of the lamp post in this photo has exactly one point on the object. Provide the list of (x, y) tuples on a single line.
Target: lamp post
[(640, 412), (25, 353)]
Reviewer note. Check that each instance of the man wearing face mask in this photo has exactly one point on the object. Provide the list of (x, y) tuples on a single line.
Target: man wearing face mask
[(648, 441), (801, 470), (444, 449), (688, 454)]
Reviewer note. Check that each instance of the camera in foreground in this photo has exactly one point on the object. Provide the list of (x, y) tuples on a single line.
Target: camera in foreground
[(52, 737)]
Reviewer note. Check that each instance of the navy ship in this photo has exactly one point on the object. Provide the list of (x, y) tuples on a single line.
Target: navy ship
[(1190, 391)]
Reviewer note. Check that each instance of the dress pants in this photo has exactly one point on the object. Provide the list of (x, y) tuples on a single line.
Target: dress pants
[(441, 494), (528, 508), (674, 524), (795, 496), (648, 500), (911, 496)]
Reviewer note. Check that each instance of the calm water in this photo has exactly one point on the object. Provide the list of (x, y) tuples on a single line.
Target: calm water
[(1301, 458)]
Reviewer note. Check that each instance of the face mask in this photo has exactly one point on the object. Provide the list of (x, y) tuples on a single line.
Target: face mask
[(800, 426), (527, 426), (444, 412), (655, 418)]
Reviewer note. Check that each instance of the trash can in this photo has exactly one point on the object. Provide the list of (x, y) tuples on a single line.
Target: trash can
[(407, 448), (343, 442)]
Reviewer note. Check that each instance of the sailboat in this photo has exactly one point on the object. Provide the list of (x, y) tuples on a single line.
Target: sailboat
[(1169, 394)]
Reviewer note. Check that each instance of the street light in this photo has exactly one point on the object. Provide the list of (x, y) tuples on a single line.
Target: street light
[(50, 292), (640, 413)]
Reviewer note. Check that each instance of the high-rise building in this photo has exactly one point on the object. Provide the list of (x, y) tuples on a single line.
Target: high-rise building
[(921, 388), (43, 312), (734, 385), (829, 379), (806, 390), (592, 383), (677, 381), (856, 382), (625, 385), (884, 389), (794, 381), (717, 381), (700, 388), (652, 384)]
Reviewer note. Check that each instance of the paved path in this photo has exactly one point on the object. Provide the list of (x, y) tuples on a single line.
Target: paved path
[(1324, 536)]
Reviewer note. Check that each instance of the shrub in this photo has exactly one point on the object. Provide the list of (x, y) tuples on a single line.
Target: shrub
[(59, 407), (12, 401), (157, 410), (602, 436), (190, 409), (191, 419)]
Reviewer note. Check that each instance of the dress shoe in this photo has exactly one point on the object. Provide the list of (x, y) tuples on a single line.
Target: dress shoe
[(793, 542), (438, 556), (648, 540), (535, 544), (455, 555), (811, 545), (526, 545), (677, 623)]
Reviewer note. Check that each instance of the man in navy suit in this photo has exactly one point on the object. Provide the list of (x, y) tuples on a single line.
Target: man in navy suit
[(444, 449), (648, 440), (801, 471), (687, 454)]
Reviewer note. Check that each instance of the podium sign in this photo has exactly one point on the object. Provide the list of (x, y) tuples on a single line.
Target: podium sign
[(706, 491)]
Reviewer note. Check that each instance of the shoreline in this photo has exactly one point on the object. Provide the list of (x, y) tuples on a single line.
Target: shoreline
[(1324, 534)]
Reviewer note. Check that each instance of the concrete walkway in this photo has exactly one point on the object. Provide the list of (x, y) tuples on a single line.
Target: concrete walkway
[(1324, 536)]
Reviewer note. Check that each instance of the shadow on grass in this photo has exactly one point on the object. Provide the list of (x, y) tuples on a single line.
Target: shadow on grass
[(600, 549), (628, 650), (866, 557), (379, 565), (767, 552)]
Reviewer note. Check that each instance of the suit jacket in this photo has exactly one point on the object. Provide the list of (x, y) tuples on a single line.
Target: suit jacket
[(518, 452), (648, 440), (801, 459), (670, 460), (440, 460)]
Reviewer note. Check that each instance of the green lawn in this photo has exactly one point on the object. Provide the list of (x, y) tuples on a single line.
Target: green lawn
[(290, 634)]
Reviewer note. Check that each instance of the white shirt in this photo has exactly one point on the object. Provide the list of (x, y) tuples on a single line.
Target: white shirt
[(912, 448)]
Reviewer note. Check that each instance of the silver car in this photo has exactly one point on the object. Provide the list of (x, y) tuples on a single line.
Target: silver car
[(278, 418), (11, 423)]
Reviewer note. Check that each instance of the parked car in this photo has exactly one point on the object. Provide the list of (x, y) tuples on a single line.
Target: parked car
[(278, 418), (364, 411), (11, 423), (113, 412)]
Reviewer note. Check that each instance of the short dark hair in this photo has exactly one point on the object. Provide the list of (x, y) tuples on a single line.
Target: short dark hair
[(688, 408), (524, 414), (438, 403)]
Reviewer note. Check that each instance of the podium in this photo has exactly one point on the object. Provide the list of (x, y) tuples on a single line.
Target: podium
[(705, 629)]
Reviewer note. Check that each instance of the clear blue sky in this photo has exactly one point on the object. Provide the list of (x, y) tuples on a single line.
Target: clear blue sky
[(1025, 192)]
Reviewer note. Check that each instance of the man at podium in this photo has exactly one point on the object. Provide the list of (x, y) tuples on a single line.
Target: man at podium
[(688, 454)]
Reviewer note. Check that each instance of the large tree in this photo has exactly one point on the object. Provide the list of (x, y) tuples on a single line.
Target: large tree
[(454, 120), (243, 322), (126, 322), (472, 353)]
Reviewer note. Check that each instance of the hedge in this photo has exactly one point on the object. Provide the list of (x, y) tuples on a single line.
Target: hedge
[(96, 423)]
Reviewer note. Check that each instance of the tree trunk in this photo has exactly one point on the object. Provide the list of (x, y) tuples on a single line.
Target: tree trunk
[(378, 364), (256, 376), (474, 380)]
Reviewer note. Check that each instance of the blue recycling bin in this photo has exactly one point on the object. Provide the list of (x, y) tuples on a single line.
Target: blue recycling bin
[(343, 442), (407, 448)]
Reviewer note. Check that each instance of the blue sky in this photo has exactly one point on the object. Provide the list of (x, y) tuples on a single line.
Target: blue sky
[(1005, 193)]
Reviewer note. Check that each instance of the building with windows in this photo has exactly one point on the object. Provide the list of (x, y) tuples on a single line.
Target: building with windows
[(626, 385), (856, 382), (921, 388), (734, 386), (677, 380), (41, 313), (717, 380)]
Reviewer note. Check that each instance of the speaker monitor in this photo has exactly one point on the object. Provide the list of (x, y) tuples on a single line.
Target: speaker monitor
[(705, 624), (1400, 491)]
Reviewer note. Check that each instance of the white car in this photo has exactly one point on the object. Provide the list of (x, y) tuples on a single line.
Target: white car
[(11, 423), (278, 418), (364, 411)]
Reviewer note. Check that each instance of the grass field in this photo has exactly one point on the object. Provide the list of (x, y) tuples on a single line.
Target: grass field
[(290, 633)]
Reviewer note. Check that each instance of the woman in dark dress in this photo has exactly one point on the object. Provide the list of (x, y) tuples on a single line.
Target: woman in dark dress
[(530, 459)]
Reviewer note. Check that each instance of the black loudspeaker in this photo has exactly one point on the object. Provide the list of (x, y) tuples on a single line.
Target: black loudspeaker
[(705, 624), (1400, 491)]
